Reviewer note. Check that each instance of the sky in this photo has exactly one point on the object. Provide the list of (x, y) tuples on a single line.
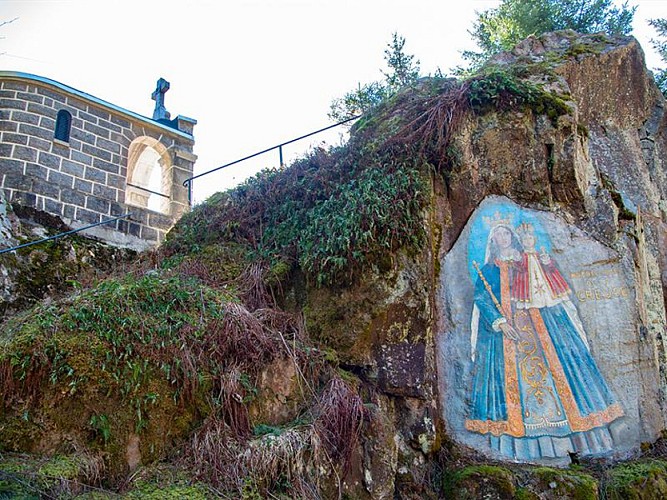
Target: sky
[(253, 73)]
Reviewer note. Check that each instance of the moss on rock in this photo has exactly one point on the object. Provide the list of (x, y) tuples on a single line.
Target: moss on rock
[(641, 480), (480, 481)]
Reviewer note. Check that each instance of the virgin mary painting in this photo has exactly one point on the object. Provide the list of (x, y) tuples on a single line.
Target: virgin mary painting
[(536, 390)]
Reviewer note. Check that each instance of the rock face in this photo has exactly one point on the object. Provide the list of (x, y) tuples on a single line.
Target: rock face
[(552, 296)]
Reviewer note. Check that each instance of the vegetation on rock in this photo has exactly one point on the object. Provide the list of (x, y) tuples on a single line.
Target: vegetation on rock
[(660, 44), (502, 27)]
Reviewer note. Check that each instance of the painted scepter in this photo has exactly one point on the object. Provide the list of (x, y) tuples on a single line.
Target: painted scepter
[(490, 292)]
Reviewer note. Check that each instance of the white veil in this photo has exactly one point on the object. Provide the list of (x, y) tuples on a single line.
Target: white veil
[(474, 320)]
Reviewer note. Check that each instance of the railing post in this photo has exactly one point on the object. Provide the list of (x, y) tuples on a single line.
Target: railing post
[(189, 180)]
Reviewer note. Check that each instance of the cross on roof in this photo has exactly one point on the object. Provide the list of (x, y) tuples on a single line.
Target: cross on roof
[(160, 112)]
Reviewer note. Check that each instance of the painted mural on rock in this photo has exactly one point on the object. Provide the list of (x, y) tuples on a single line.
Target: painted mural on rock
[(528, 361)]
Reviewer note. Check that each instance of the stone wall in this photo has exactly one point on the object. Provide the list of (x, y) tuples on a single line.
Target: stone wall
[(85, 180)]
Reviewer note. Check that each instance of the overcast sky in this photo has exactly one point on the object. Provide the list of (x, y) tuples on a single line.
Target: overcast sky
[(253, 73)]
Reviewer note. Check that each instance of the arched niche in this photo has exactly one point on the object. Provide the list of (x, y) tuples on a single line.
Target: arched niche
[(148, 182)]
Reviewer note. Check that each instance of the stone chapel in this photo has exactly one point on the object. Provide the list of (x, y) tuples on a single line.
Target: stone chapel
[(85, 160)]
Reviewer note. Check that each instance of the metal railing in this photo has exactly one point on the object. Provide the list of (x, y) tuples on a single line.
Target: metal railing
[(188, 182), (62, 235), (147, 190)]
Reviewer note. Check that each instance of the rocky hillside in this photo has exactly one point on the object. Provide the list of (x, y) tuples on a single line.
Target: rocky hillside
[(466, 300)]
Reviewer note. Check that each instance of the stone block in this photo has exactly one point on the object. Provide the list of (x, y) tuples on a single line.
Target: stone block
[(45, 122), (11, 85), (59, 149), (17, 181), (12, 104), (74, 145), (60, 179), (45, 188), (148, 233), (73, 197), (23, 117), (6, 150), (42, 110), (25, 153), (36, 98), (83, 186), (105, 192), (82, 136), (98, 205), (41, 144), (24, 199), (110, 127), (72, 168), (14, 138), (134, 229), (401, 369), (53, 206), (57, 97), (34, 170), (80, 157), (49, 160), (8, 94), (106, 166), (117, 209), (87, 216), (116, 181), (120, 121), (96, 152), (69, 211), (35, 131), (77, 103), (9, 166), (92, 174), (108, 145), (160, 221), (98, 131), (99, 113), (121, 140), (6, 125)]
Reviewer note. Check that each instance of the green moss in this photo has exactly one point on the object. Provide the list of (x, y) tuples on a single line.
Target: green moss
[(28, 476), (638, 481), (159, 492), (109, 363), (67, 467), (525, 494), (568, 483), (479, 481), (502, 90)]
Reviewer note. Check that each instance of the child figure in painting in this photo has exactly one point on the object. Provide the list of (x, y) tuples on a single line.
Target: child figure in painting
[(536, 388)]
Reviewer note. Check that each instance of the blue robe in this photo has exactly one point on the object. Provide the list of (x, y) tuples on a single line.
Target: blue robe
[(546, 384)]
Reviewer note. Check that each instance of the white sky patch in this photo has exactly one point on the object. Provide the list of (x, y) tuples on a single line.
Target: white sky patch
[(253, 73)]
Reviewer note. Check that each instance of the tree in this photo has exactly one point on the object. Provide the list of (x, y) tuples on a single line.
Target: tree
[(660, 45), (403, 70), (501, 28)]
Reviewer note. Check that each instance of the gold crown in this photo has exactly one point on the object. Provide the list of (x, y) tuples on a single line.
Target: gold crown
[(497, 220)]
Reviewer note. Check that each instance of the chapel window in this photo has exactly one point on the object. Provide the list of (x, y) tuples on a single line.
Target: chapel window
[(148, 182), (63, 125)]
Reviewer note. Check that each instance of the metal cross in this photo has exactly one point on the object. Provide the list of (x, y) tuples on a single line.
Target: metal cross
[(160, 112)]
